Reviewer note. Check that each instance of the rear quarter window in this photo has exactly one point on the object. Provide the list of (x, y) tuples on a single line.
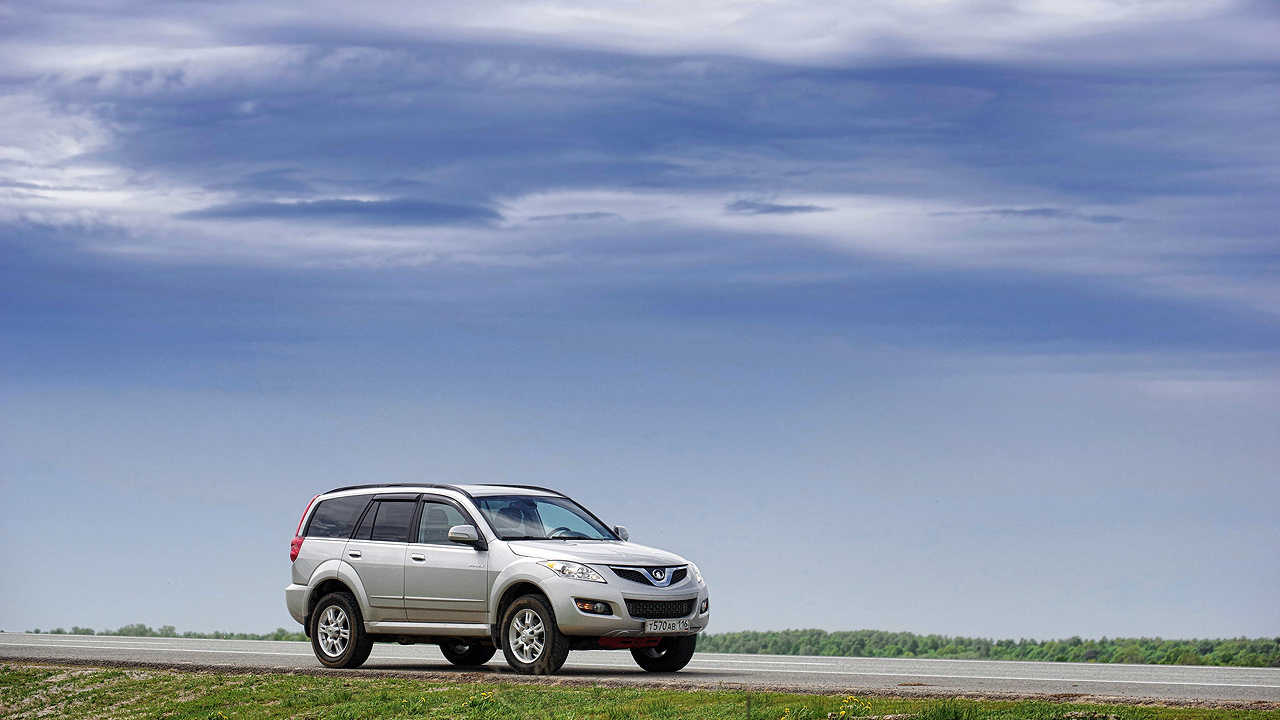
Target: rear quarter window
[(336, 518)]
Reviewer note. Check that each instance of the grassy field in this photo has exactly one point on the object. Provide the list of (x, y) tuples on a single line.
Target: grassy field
[(35, 691)]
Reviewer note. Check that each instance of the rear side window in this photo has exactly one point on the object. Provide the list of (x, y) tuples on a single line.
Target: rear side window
[(336, 518), (392, 522), (387, 520)]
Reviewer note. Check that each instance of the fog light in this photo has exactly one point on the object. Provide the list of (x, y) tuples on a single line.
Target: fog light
[(706, 604), (595, 607)]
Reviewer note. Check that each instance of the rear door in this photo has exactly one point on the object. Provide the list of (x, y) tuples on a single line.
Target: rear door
[(377, 552), (444, 581)]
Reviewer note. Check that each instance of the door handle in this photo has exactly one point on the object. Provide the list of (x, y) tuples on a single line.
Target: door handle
[(418, 557), (354, 553)]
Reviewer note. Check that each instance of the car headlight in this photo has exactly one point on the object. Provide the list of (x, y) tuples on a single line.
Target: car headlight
[(696, 575), (573, 570)]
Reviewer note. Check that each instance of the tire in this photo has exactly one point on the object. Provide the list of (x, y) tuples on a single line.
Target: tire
[(461, 652), (670, 655), (531, 640), (337, 632)]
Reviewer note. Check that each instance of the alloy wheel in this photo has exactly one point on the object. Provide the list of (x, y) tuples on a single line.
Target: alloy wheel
[(334, 631), (527, 635)]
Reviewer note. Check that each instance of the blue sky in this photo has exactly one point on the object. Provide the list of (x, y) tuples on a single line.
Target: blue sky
[(944, 316)]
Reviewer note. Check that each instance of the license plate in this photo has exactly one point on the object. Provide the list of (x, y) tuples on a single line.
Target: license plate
[(666, 626)]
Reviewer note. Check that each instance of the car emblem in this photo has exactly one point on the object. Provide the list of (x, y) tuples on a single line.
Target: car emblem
[(658, 574)]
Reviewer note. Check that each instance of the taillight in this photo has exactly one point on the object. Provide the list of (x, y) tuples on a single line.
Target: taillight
[(296, 544), (303, 519)]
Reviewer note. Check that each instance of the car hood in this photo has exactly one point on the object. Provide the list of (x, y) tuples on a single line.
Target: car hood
[(595, 552)]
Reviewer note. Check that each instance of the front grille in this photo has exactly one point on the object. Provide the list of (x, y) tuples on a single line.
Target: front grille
[(632, 575), (635, 575), (660, 609)]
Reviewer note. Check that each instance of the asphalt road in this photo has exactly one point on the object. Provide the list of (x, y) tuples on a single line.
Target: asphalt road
[(872, 675)]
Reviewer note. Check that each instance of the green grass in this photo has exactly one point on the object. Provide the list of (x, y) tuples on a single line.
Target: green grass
[(34, 691)]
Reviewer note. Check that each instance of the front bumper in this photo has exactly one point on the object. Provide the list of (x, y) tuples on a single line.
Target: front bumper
[(620, 623)]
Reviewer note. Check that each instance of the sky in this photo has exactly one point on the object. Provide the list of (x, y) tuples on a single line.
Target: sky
[(942, 316)]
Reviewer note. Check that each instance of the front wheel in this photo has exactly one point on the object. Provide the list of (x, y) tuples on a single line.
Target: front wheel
[(668, 656), (466, 654), (337, 632), (531, 640)]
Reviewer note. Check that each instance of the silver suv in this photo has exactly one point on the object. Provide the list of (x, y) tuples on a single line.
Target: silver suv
[(474, 568)]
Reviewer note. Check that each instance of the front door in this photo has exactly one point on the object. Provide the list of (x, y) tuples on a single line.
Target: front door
[(444, 581)]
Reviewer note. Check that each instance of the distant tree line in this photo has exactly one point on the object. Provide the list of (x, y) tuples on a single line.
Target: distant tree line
[(140, 630), (1240, 652)]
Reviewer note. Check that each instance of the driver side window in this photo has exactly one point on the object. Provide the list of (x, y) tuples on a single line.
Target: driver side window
[(437, 518)]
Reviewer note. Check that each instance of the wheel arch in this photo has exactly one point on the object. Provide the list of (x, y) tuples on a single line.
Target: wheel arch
[(340, 577), (516, 589)]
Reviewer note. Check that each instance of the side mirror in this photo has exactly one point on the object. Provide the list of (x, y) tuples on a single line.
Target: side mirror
[(466, 535), (621, 532)]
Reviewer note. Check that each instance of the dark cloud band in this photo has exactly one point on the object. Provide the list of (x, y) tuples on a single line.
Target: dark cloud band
[(380, 212)]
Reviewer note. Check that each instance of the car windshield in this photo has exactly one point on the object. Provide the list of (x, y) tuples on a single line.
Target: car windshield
[(524, 517)]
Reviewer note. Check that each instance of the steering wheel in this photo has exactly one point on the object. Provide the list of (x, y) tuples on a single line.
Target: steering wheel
[(569, 532)]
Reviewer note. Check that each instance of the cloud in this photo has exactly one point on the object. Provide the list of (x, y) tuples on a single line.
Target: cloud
[(471, 149), (576, 217), (1041, 212), (39, 135), (388, 212), (1053, 213), (748, 207), (275, 181), (17, 184), (1213, 389), (821, 32)]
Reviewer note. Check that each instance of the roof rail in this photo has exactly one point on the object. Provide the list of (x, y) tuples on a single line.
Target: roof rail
[(391, 485), (524, 487), (454, 488)]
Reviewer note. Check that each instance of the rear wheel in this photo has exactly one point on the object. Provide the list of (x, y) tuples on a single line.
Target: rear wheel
[(531, 640), (337, 632), (460, 652), (669, 655)]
